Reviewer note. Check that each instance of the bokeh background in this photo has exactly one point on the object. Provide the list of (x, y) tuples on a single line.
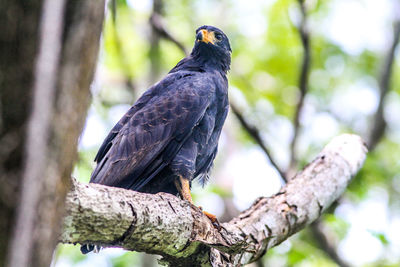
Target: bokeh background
[(302, 72)]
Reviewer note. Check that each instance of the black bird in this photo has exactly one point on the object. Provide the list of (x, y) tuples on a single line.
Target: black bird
[(170, 135)]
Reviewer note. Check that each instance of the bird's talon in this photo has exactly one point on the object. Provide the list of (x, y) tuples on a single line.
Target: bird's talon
[(217, 225), (213, 220)]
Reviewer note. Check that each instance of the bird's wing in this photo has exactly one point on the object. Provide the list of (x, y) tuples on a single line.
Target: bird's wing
[(107, 143), (148, 137)]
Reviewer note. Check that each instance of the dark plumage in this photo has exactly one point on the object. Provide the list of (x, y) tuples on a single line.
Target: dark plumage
[(170, 135)]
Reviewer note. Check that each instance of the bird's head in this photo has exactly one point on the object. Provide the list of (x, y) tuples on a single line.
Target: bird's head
[(212, 46)]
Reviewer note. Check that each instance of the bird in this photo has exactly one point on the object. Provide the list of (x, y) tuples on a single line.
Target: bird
[(169, 137)]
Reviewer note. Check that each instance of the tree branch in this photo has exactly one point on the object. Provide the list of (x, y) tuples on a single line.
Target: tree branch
[(165, 225), (303, 77), (379, 123), (123, 61), (255, 134), (154, 51), (376, 134), (158, 25), (325, 244)]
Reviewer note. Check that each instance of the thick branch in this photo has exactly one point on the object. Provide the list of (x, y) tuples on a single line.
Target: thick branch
[(165, 225)]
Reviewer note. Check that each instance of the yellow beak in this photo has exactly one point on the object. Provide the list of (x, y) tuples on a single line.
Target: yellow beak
[(206, 36)]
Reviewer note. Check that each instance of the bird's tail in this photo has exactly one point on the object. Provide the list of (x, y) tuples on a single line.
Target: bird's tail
[(86, 248)]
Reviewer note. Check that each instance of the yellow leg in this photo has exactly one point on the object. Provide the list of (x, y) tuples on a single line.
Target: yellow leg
[(183, 187), (212, 217)]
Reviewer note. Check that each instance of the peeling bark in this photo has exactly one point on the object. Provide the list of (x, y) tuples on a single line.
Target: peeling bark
[(166, 225)]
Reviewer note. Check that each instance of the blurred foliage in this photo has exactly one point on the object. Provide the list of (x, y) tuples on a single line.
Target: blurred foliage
[(267, 55)]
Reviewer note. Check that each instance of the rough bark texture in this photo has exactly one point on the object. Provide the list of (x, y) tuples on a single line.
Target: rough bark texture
[(165, 225), (32, 195), (18, 42), (46, 69)]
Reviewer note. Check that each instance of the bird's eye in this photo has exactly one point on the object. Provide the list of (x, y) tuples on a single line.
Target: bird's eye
[(218, 36)]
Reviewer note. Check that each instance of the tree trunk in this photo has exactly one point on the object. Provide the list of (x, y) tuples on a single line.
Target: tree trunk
[(18, 43), (47, 60)]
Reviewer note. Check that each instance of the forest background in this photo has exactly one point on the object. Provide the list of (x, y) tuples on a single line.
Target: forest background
[(302, 73)]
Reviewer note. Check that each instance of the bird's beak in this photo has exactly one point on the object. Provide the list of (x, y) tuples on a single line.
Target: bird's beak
[(205, 36)]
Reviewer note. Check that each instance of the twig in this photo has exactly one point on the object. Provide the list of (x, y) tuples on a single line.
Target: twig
[(255, 134), (129, 83), (113, 7), (379, 123), (157, 24), (303, 77), (324, 243), (154, 52)]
